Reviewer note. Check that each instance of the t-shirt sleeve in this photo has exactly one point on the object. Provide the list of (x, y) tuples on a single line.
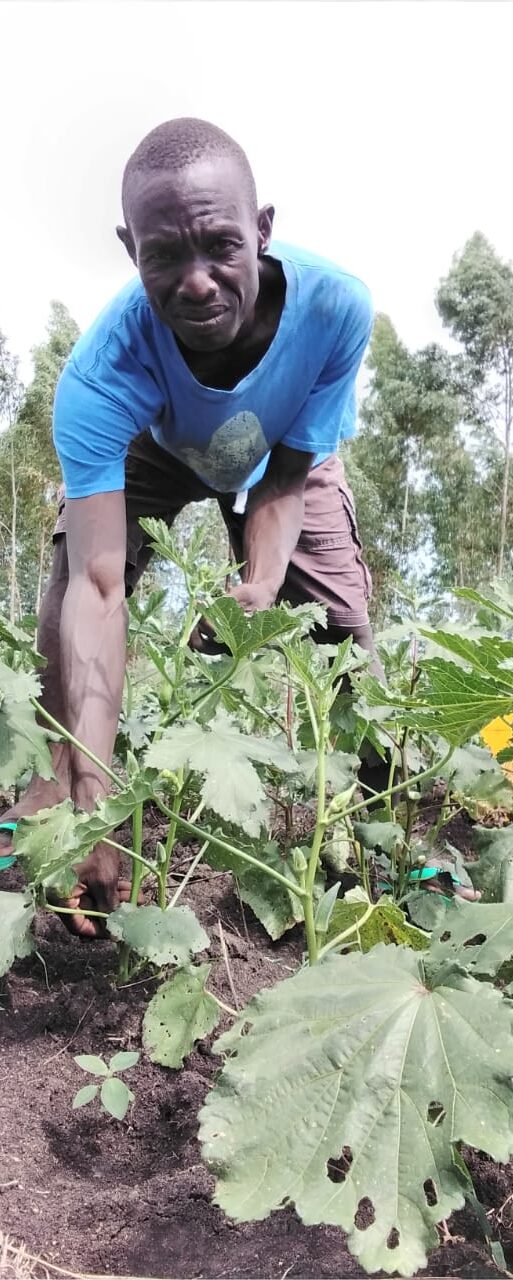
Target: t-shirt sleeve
[(100, 406), (329, 413)]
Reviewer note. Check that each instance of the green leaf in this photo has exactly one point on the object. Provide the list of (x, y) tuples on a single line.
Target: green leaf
[(387, 924), (340, 768), (180, 1013), (20, 642), (325, 907), (274, 906), (17, 912), (243, 634), (426, 910), (123, 1061), (475, 774), (23, 745), (351, 1056), (495, 862), (112, 812), (46, 847), (163, 937), (222, 755), (455, 698), (84, 1096), (115, 1097), (476, 935), (92, 1063), (383, 835)]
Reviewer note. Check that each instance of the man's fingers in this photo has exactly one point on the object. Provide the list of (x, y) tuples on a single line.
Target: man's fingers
[(470, 895), (203, 640)]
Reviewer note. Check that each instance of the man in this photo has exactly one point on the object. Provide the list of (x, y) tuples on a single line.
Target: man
[(226, 370)]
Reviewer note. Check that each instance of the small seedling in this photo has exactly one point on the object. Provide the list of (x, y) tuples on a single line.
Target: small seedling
[(115, 1096)]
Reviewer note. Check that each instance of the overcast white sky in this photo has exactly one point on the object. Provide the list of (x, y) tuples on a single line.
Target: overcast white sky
[(381, 131)]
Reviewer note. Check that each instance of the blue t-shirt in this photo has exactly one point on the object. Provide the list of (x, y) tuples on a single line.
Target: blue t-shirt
[(127, 374)]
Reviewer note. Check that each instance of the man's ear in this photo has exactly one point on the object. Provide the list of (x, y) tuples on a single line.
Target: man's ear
[(265, 221), (125, 236)]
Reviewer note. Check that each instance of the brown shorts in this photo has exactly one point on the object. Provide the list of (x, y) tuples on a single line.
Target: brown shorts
[(327, 565)]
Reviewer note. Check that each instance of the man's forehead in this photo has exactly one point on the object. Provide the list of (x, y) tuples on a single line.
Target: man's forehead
[(203, 190)]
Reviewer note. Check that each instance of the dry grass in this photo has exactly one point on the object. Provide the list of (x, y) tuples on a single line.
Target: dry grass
[(17, 1264)]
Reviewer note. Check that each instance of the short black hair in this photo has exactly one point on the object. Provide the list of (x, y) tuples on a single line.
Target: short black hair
[(174, 145)]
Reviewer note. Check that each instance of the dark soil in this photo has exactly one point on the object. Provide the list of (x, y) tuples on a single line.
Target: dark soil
[(133, 1198)]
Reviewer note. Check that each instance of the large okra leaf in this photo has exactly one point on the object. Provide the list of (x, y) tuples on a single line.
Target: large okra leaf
[(222, 755), (172, 936), (348, 1085), (477, 935), (244, 634), (22, 741), (180, 1013), (16, 915)]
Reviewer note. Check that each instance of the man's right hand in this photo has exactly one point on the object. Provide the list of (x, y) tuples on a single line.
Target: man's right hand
[(98, 888)]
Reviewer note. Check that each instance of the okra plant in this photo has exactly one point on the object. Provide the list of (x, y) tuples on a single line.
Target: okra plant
[(354, 1084)]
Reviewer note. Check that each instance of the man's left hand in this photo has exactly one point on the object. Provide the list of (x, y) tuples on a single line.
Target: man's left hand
[(252, 596)]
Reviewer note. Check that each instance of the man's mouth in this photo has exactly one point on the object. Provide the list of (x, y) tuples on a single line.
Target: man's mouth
[(207, 318)]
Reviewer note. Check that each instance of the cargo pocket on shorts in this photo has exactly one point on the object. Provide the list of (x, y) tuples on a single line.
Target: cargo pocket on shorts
[(350, 511)]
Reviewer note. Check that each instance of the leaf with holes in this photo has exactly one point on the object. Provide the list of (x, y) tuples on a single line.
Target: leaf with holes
[(387, 924), (46, 847), (476, 935), (112, 812), (17, 912), (180, 1013), (333, 1061), (494, 867), (223, 755), (163, 937)]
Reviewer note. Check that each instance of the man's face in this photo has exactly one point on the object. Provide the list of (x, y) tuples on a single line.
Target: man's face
[(195, 240)]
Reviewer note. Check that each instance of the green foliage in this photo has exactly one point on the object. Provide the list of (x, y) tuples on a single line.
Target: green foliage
[(332, 1063), (17, 912), (115, 1096), (180, 1013), (22, 741), (46, 847), (165, 937), (222, 756), (476, 935), (387, 924), (493, 870)]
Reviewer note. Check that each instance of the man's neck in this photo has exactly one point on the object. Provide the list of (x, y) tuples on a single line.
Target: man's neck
[(224, 369)]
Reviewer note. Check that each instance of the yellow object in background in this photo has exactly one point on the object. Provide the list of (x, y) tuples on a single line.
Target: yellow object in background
[(497, 735)]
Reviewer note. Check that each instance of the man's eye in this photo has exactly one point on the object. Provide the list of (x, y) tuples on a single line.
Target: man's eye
[(221, 248), (161, 255)]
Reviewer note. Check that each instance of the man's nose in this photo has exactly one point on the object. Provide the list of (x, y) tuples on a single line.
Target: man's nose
[(196, 284)]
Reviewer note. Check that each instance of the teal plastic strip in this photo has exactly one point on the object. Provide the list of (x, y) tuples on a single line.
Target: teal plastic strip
[(8, 859)]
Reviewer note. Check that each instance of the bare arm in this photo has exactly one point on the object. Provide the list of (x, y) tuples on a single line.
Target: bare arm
[(273, 524), (93, 634)]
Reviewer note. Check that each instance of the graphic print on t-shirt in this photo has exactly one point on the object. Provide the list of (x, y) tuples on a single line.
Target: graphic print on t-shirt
[(231, 454)]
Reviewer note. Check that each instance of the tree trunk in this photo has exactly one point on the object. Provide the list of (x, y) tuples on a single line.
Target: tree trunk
[(508, 415), (404, 521), (13, 585)]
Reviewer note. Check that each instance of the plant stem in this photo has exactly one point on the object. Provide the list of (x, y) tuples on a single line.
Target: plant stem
[(163, 871), (137, 822), (64, 733), (230, 849), (234, 1013), (322, 726), (383, 795), (353, 928), (72, 911), (137, 857), (124, 972), (190, 872)]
